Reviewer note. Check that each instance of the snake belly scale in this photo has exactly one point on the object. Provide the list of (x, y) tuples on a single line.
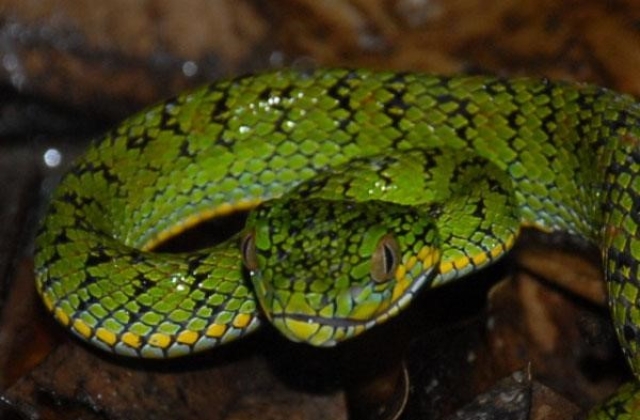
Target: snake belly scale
[(363, 188)]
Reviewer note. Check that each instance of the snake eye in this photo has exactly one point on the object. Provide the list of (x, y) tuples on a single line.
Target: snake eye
[(248, 250), (385, 259)]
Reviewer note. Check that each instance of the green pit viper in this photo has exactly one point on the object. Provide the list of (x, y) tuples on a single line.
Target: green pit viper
[(363, 188)]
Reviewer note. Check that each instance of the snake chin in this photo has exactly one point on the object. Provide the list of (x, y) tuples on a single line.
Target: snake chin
[(318, 331), (326, 332)]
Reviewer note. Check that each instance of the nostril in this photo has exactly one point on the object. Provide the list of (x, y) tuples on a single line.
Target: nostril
[(355, 291), (325, 300)]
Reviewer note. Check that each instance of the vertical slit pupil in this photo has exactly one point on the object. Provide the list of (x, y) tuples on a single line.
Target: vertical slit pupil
[(247, 248), (246, 244), (389, 259)]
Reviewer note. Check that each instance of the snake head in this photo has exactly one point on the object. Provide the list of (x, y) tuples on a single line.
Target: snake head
[(324, 271)]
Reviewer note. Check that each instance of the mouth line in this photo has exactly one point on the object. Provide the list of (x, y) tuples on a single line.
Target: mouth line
[(389, 312), (312, 319)]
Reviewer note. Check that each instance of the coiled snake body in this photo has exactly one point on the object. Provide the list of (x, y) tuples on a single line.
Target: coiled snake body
[(363, 187)]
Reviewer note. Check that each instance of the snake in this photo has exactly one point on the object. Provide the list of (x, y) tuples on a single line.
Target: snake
[(362, 188)]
